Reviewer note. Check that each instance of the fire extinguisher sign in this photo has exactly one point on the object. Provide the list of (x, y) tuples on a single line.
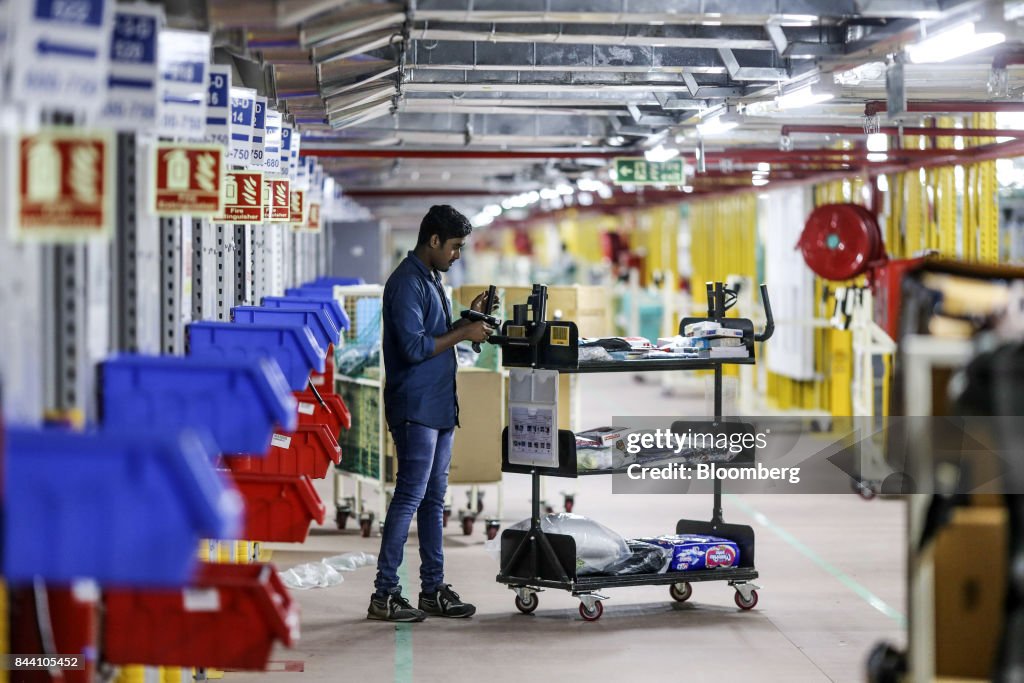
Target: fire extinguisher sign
[(64, 182), (189, 179), (243, 198)]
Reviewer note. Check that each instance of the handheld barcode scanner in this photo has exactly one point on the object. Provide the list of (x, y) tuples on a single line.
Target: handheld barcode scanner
[(473, 316)]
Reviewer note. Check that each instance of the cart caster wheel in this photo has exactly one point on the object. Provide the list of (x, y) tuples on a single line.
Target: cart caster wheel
[(366, 527), (867, 493), (467, 526), (528, 605), (681, 592), (746, 604), (480, 502), (594, 614), (548, 509), (341, 519), (569, 500), (445, 516), (492, 530)]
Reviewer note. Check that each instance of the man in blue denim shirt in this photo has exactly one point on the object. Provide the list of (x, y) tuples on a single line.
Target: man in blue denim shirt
[(422, 412)]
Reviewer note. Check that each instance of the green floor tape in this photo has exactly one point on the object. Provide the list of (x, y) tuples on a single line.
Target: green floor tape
[(837, 573), (403, 637)]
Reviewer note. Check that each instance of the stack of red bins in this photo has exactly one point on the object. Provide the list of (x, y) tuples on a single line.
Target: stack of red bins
[(280, 501)]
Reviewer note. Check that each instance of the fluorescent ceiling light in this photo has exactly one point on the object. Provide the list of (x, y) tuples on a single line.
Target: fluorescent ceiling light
[(956, 42), (878, 142), (802, 98), (492, 210), (759, 181), (564, 189), (687, 188), (883, 183), (481, 219), (716, 126), (661, 153), (877, 156), (764, 167)]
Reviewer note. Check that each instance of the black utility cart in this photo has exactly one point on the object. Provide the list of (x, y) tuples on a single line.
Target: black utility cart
[(532, 560)]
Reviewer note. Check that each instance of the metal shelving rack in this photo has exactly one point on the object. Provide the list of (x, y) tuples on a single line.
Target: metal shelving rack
[(532, 559)]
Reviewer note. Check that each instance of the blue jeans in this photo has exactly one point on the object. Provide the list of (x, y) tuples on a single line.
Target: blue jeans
[(424, 455)]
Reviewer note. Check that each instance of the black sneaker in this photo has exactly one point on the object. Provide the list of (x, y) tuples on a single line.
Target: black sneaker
[(445, 603), (393, 607)]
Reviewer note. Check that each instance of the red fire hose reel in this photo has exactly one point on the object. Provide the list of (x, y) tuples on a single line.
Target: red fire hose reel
[(840, 241)]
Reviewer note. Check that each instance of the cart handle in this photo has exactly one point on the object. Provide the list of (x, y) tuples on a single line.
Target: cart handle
[(769, 321)]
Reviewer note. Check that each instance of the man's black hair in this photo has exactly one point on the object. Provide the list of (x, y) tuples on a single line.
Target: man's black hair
[(445, 222)]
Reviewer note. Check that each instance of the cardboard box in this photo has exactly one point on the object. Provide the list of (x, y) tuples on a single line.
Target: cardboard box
[(476, 453), (970, 557)]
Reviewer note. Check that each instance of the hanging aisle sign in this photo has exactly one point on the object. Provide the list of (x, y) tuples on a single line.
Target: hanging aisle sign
[(131, 103), (293, 164), (189, 179), (259, 126), (243, 198), (184, 60), (243, 108), (60, 52), (277, 206), (286, 148), (64, 182), (218, 106), (272, 148)]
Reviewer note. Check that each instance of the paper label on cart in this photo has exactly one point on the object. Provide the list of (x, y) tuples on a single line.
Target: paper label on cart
[(201, 599), (307, 408), (559, 335), (532, 436), (515, 331), (281, 441)]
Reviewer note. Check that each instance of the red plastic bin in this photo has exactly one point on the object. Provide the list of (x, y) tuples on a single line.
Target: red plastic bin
[(336, 414), (324, 381), (311, 451), (229, 618), (278, 507), (74, 618)]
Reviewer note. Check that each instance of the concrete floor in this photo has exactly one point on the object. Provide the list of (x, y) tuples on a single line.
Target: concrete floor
[(831, 571)]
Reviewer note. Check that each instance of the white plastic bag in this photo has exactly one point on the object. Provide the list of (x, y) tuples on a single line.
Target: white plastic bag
[(597, 546), (326, 572)]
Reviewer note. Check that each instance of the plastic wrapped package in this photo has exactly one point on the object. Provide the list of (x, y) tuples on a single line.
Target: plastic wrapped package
[(645, 558), (693, 551), (595, 458), (597, 546)]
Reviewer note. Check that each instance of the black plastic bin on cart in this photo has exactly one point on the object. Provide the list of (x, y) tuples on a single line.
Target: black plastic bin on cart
[(532, 560)]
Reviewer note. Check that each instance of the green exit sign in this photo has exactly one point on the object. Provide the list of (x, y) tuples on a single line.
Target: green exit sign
[(639, 171)]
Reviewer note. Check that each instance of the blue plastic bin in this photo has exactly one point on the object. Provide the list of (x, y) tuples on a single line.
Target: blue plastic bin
[(238, 401), (326, 281), (312, 316), (123, 508), (291, 346), (334, 310)]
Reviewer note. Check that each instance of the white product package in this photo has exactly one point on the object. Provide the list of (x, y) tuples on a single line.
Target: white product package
[(327, 572), (597, 546)]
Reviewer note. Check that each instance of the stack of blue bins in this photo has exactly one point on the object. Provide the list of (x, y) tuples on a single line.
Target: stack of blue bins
[(126, 502)]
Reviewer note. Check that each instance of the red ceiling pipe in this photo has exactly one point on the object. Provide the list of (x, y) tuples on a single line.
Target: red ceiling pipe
[(385, 193), (454, 154), (907, 130), (873, 107)]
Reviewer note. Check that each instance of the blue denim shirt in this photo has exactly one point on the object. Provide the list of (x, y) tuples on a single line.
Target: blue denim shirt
[(419, 387)]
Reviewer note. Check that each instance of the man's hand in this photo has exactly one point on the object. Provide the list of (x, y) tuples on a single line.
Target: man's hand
[(476, 332), (480, 300)]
